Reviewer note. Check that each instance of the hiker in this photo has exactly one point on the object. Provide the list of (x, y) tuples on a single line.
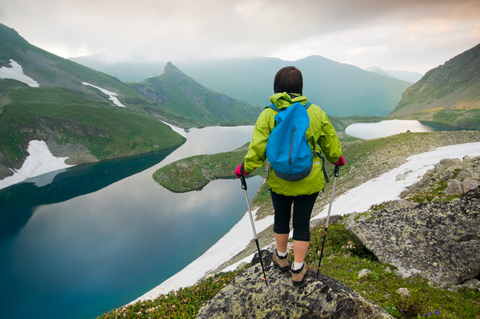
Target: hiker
[(288, 85)]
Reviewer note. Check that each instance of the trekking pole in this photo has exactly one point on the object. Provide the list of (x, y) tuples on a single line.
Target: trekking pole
[(337, 167), (244, 187)]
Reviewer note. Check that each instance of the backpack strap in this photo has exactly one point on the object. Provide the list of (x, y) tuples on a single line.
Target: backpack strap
[(273, 107)]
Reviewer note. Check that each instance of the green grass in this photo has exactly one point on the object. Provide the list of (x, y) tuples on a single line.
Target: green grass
[(71, 117)]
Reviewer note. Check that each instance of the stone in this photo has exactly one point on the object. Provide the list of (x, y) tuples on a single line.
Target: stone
[(454, 187), (248, 296), (469, 284), (404, 292), (469, 184), (363, 273), (466, 174), (439, 241)]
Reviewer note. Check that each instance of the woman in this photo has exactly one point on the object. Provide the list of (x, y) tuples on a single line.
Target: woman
[(288, 86)]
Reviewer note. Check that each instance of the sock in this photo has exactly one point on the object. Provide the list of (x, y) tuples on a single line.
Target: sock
[(281, 254), (297, 266)]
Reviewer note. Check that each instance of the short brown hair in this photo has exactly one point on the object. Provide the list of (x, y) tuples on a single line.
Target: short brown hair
[(289, 79)]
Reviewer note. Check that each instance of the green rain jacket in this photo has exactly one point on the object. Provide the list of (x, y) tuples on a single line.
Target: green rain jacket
[(320, 130)]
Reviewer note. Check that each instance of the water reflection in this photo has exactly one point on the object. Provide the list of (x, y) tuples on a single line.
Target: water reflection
[(23, 198), (104, 234)]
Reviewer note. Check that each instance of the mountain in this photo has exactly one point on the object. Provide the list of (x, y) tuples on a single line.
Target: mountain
[(87, 115), (340, 89), (178, 93), (447, 94), (401, 75)]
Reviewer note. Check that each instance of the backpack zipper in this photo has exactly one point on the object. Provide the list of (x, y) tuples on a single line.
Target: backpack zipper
[(291, 147)]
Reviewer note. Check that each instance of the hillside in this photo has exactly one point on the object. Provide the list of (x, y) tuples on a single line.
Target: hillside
[(56, 105), (89, 116), (178, 93), (447, 94), (340, 89)]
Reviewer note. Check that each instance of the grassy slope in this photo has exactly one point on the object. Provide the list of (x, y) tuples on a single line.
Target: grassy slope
[(175, 92), (72, 117), (448, 94)]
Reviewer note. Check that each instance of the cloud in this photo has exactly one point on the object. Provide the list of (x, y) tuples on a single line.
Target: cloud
[(415, 34)]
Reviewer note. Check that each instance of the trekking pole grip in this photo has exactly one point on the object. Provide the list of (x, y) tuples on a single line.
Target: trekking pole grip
[(244, 183), (337, 168)]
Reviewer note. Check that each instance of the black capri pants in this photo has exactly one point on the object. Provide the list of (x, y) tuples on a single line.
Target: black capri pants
[(302, 210)]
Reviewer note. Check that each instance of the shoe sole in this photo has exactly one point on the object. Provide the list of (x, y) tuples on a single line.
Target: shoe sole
[(298, 283)]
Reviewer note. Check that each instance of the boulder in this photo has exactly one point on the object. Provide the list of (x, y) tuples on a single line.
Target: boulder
[(248, 296), (439, 241)]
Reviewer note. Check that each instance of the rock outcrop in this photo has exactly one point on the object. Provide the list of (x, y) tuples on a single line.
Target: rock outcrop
[(439, 241), (460, 176), (249, 297)]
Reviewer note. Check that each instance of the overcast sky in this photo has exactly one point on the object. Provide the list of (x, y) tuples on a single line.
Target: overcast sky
[(413, 35)]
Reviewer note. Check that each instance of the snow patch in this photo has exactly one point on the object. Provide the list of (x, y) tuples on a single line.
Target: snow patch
[(111, 95), (389, 186), (39, 162), (15, 72), (177, 129)]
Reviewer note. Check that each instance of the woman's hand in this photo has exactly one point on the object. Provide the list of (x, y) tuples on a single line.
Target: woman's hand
[(240, 171)]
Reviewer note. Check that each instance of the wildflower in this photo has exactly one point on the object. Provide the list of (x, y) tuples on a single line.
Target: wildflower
[(438, 312)]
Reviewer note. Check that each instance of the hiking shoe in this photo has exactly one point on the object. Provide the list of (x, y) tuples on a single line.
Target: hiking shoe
[(281, 262), (298, 276)]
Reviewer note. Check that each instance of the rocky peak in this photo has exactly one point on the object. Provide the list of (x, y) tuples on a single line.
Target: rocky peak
[(324, 297), (174, 71)]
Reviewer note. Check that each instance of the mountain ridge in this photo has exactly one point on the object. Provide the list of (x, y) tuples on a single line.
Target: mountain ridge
[(339, 89), (447, 94), (74, 111), (401, 75)]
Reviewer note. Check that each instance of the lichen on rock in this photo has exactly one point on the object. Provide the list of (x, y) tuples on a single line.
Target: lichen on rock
[(248, 296), (439, 241)]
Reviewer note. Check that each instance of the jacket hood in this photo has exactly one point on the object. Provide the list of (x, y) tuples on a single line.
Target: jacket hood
[(283, 100)]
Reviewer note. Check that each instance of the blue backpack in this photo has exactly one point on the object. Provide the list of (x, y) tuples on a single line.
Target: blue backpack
[(288, 150)]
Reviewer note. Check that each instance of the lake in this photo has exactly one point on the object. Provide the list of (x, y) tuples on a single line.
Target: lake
[(386, 128), (101, 235)]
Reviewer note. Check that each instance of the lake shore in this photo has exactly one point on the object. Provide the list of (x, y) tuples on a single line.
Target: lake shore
[(354, 194)]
